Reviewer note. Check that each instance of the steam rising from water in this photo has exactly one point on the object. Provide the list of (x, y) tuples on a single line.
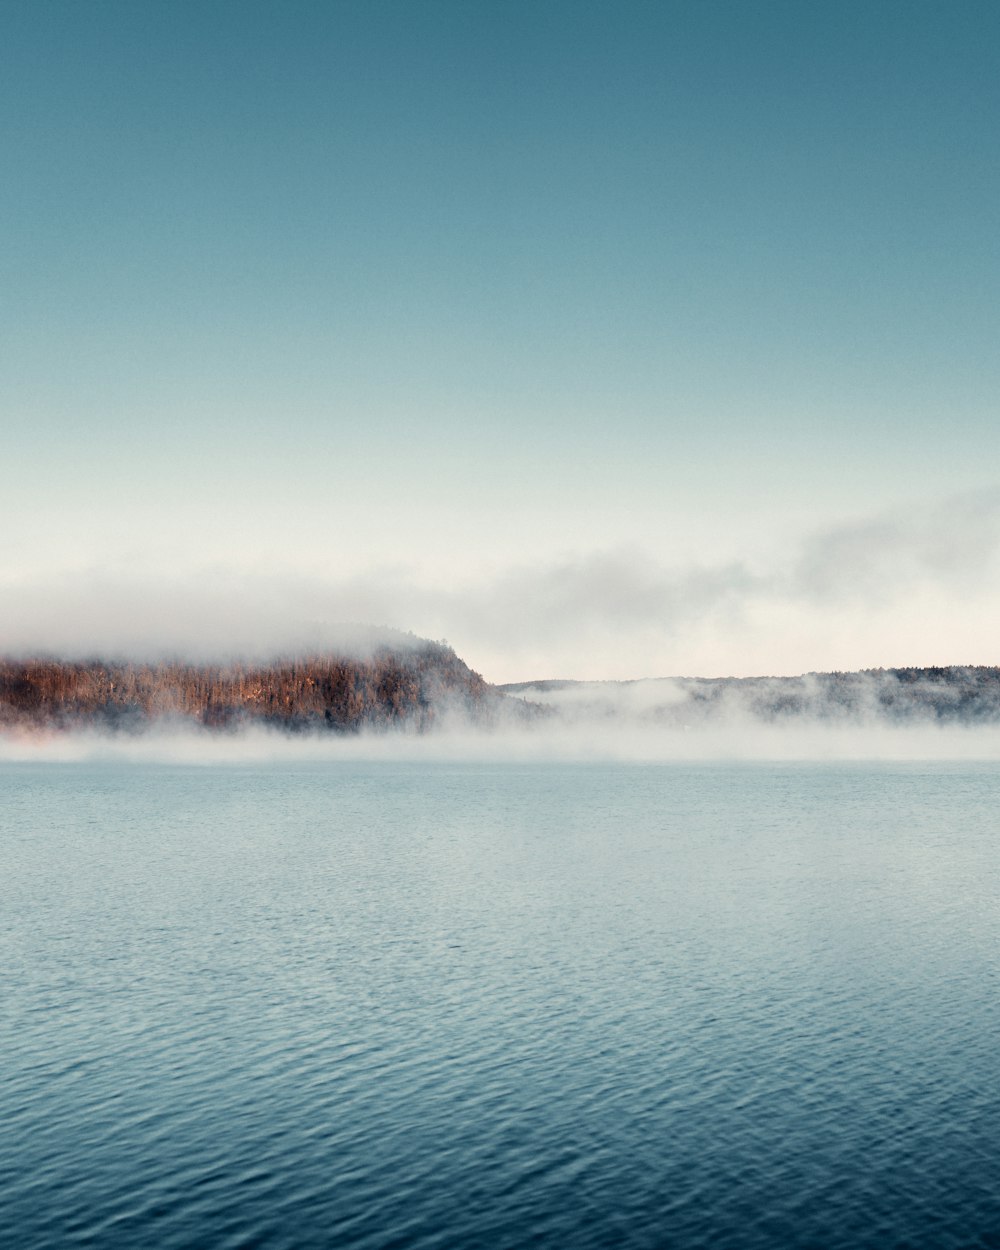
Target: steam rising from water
[(581, 741)]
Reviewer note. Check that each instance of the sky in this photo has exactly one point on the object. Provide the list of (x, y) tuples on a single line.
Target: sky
[(600, 339)]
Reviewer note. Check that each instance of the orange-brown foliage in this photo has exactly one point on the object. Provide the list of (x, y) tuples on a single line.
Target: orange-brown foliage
[(411, 685)]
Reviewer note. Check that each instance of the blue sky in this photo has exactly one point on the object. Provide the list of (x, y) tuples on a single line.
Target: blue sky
[(423, 304)]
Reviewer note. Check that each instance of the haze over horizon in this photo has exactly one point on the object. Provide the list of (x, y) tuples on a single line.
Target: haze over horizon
[(604, 341)]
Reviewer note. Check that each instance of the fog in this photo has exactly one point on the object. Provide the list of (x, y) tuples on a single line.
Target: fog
[(577, 744), (918, 587), (580, 729)]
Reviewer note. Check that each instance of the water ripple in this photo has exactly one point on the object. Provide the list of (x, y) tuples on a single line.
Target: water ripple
[(441, 1007)]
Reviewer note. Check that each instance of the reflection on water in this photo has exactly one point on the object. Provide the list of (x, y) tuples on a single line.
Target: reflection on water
[(377, 1004)]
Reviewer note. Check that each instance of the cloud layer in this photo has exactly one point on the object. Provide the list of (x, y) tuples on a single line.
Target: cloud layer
[(904, 588)]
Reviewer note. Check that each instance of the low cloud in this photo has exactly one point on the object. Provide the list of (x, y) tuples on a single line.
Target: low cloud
[(904, 588), (954, 546)]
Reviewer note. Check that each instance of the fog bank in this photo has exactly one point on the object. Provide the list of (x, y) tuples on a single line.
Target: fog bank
[(545, 742), (915, 587)]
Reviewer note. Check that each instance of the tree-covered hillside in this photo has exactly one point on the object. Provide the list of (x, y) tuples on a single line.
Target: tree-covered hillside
[(414, 685), (956, 694)]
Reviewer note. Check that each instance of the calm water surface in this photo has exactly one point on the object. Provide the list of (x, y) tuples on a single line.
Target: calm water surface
[(432, 1006)]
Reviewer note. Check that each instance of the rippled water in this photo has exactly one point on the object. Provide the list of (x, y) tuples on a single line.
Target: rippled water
[(427, 1005)]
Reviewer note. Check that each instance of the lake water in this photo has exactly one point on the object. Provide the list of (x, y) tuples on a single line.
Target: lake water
[(428, 1005)]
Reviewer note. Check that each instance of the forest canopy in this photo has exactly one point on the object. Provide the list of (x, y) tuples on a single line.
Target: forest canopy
[(413, 685)]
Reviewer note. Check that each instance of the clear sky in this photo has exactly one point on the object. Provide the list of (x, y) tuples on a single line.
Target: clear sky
[(604, 339)]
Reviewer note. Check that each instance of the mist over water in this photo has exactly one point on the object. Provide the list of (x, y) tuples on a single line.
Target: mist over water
[(641, 360), (944, 714), (552, 742)]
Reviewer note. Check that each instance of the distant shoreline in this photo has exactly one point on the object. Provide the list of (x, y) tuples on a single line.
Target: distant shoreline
[(416, 684), (419, 685)]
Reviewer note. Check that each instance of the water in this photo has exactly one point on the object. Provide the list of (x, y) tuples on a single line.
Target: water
[(428, 1006)]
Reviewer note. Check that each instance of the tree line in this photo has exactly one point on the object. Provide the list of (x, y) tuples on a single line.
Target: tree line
[(414, 686)]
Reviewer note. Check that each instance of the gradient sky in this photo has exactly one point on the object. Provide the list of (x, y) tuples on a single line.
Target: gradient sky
[(579, 333)]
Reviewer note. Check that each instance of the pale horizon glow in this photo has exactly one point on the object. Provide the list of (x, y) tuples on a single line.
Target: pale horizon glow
[(899, 590)]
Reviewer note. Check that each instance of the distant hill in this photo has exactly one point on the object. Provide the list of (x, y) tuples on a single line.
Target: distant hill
[(953, 695), (385, 680), (406, 682)]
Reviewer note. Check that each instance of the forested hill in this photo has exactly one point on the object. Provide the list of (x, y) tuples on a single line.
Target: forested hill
[(415, 685), (410, 683), (955, 694)]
